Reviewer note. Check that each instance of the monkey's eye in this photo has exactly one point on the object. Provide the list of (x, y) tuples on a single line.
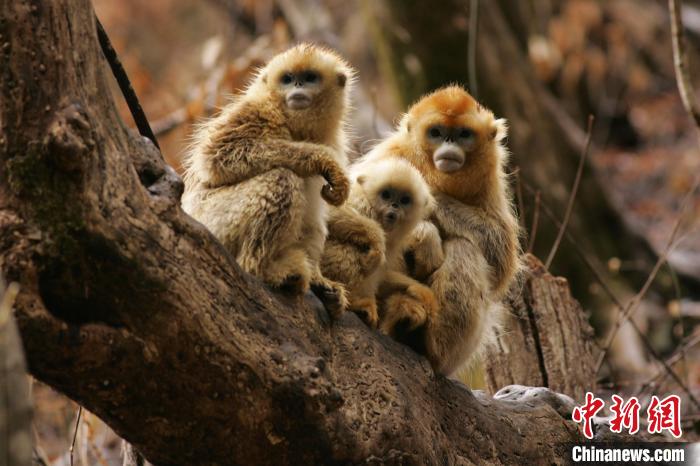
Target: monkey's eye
[(287, 78), (311, 77), (466, 133), (386, 194), (434, 132), (405, 200)]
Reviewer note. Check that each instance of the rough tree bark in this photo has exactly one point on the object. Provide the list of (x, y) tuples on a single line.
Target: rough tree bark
[(132, 309), (547, 340)]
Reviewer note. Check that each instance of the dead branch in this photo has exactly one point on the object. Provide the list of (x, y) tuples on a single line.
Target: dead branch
[(680, 62), (572, 194)]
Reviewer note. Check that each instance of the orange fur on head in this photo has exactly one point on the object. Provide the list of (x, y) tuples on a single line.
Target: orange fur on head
[(453, 107)]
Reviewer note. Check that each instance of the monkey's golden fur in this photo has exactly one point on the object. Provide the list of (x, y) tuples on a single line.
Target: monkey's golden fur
[(255, 174), (476, 223), (369, 180)]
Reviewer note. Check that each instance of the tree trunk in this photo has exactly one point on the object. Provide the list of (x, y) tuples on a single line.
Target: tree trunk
[(135, 311), (545, 336)]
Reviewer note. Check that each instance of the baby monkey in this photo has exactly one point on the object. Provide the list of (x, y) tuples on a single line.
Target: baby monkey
[(393, 194)]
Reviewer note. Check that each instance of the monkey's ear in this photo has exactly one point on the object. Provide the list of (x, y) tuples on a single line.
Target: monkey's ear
[(361, 179), (342, 79), (500, 130)]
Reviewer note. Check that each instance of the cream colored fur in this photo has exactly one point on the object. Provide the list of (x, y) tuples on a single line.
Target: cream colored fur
[(369, 179), (256, 173), (474, 216)]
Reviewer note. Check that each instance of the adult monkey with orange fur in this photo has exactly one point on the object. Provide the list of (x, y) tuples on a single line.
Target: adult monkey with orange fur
[(457, 145), (255, 174)]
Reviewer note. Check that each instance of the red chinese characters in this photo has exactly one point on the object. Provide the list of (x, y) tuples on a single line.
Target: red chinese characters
[(662, 415), (625, 415), (665, 415), (586, 412)]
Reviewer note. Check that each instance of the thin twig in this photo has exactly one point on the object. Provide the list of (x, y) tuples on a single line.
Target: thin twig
[(375, 120), (597, 275), (667, 367), (673, 359), (535, 221), (125, 85), (572, 195), (680, 62), (636, 300), (75, 433), (521, 201), (471, 53)]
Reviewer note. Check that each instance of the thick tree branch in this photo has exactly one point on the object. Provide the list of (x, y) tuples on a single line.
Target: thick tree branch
[(134, 310)]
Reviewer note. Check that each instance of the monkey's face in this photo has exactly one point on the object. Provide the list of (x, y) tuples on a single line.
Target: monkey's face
[(300, 88), (449, 145), (453, 130), (393, 207), (306, 79), (397, 196)]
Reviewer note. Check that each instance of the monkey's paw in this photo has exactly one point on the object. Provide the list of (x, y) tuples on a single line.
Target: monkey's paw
[(332, 295), (290, 273), (294, 284), (366, 308), (338, 188), (370, 258), (426, 297), (425, 251), (402, 308)]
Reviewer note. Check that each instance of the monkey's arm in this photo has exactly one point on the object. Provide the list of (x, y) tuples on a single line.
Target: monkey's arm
[(238, 159), (468, 315), (395, 281), (494, 231), (424, 252), (346, 225), (355, 247)]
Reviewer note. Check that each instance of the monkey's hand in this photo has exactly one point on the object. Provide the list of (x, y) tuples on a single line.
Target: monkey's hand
[(347, 226), (424, 253), (411, 302), (338, 188), (366, 308), (332, 294), (427, 299), (402, 308)]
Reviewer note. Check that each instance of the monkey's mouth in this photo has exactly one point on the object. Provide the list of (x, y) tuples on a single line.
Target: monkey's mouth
[(298, 101), (448, 162), (389, 220)]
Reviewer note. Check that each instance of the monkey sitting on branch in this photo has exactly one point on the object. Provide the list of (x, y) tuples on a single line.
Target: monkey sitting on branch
[(391, 194), (458, 147), (258, 174)]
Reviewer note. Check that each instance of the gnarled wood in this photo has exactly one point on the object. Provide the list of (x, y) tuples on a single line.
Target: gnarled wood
[(134, 310), (546, 339)]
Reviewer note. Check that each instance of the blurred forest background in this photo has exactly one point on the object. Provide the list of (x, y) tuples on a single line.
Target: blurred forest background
[(545, 65)]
